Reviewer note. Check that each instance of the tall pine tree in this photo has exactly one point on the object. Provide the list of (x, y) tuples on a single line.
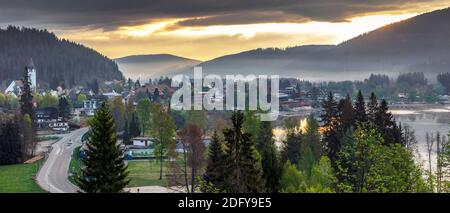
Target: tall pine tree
[(329, 118), (214, 173), (360, 109), (372, 108), (243, 162), (271, 165), (104, 168), (126, 133), (346, 115), (134, 126), (26, 97), (312, 137), (386, 125), (64, 108), (291, 150)]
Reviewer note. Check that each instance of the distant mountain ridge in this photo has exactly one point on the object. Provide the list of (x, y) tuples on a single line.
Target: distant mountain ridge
[(421, 43), (57, 61), (151, 66), (418, 44), (152, 58)]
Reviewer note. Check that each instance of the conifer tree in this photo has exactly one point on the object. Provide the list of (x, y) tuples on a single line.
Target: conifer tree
[(214, 173), (312, 137), (26, 97), (386, 125), (360, 109), (104, 168), (329, 118), (64, 108), (372, 108), (291, 150), (126, 133), (252, 126), (271, 165), (10, 146), (346, 115), (134, 126), (243, 162)]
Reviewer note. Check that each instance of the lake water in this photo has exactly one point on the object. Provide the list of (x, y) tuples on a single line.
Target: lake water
[(423, 119)]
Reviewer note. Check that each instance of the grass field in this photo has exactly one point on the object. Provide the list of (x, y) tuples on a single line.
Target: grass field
[(19, 178), (146, 173), (142, 173), (75, 164)]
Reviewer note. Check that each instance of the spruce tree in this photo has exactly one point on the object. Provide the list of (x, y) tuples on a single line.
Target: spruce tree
[(291, 150), (360, 109), (372, 108), (64, 108), (126, 133), (214, 173), (104, 168), (347, 115), (329, 118), (134, 126), (243, 162), (10, 145), (386, 125), (312, 137), (271, 165), (252, 126), (26, 97)]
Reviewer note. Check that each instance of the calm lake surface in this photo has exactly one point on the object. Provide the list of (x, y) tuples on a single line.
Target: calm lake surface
[(423, 119)]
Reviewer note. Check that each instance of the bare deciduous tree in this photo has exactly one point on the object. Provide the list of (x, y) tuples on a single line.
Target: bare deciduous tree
[(184, 169)]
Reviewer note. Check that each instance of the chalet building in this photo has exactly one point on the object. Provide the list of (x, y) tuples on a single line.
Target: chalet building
[(142, 141), (45, 116), (112, 95), (48, 119), (142, 148), (90, 107)]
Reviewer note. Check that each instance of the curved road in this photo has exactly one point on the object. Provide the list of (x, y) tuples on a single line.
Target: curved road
[(53, 176)]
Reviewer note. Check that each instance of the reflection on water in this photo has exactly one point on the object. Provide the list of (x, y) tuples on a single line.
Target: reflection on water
[(429, 119), (422, 119)]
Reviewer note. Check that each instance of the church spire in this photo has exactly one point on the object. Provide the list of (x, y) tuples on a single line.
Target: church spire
[(31, 64)]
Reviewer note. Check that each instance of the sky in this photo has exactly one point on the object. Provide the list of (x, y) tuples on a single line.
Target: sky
[(206, 29)]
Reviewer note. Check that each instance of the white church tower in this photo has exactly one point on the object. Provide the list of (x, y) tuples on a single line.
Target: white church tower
[(14, 87), (32, 75)]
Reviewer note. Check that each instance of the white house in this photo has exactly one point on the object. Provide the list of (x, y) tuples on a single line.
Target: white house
[(90, 106), (142, 141), (14, 88), (112, 95)]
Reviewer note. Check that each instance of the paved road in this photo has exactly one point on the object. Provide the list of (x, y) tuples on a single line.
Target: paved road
[(53, 176)]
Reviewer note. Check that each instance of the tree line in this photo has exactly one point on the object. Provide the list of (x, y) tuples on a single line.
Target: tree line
[(64, 63), (353, 147), (17, 130)]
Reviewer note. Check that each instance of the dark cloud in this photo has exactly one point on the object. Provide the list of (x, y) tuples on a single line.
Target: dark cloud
[(252, 17), (108, 14)]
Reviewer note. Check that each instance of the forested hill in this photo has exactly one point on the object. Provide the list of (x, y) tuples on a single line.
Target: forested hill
[(418, 44), (57, 61)]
